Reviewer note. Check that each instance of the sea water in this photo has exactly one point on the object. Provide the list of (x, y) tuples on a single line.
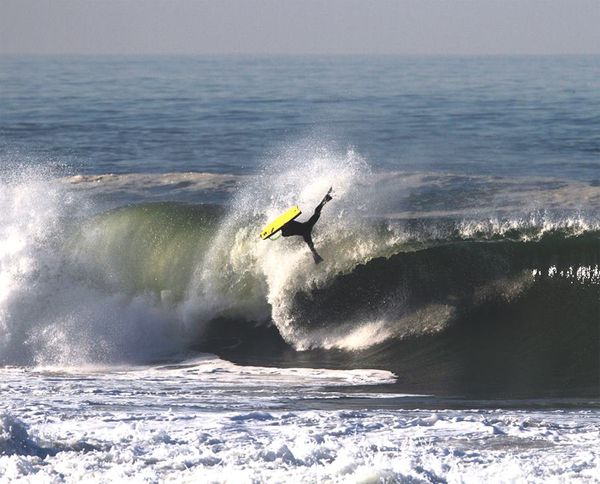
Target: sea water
[(451, 334)]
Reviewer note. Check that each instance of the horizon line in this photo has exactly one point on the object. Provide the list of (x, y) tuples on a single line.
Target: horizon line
[(293, 54)]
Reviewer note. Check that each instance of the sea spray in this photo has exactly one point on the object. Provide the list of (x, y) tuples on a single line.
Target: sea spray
[(241, 272), (31, 224), (55, 306)]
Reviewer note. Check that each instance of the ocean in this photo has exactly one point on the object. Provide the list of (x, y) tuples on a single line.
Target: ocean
[(451, 334)]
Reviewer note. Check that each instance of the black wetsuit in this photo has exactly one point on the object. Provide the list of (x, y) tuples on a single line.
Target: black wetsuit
[(304, 229)]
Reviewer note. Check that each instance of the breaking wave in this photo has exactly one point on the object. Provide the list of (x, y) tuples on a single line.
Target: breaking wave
[(137, 282)]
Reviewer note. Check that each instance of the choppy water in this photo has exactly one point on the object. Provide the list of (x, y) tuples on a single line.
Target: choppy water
[(451, 334)]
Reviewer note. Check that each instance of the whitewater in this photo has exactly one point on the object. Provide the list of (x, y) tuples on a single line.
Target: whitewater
[(208, 420), (148, 334)]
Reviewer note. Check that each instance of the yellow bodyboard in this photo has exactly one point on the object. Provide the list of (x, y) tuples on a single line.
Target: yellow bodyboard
[(279, 222)]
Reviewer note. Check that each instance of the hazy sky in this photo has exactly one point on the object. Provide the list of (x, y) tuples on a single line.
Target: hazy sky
[(299, 27)]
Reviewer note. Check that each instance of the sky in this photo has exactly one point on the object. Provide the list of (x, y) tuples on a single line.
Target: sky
[(299, 27)]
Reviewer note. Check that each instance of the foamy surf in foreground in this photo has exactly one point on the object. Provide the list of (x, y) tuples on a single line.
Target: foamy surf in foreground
[(206, 419)]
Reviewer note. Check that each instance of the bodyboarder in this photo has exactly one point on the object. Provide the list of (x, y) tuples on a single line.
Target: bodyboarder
[(304, 229)]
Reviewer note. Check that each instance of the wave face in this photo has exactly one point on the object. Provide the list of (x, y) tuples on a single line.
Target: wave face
[(453, 305), (468, 317)]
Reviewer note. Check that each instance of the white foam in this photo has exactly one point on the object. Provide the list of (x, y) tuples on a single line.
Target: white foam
[(530, 228), (580, 275), (209, 420)]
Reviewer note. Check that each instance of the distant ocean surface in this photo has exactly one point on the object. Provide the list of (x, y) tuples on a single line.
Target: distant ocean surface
[(452, 332), (497, 115)]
